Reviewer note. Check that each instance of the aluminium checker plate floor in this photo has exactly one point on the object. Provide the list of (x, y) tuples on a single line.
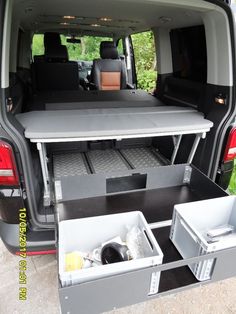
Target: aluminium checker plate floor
[(104, 161)]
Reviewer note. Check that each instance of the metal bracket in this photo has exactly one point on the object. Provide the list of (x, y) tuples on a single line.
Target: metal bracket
[(187, 175), (195, 146), (43, 160), (58, 190), (47, 199), (176, 141)]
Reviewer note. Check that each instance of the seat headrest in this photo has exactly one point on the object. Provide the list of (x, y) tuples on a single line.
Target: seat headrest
[(51, 39), (108, 50), (57, 54)]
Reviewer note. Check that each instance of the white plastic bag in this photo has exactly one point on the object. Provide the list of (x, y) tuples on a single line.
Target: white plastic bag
[(134, 241)]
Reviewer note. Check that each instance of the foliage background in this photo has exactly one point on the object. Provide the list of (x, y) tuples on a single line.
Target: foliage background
[(88, 50), (232, 186), (145, 60)]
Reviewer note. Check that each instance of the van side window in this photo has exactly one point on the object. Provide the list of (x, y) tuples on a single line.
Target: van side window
[(120, 47), (145, 60), (37, 45), (87, 50), (189, 53)]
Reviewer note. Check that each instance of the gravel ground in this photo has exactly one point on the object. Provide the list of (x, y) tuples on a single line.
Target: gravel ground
[(216, 298)]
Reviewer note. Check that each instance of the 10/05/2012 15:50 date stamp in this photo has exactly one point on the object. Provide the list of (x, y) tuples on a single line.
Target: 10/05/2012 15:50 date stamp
[(23, 255)]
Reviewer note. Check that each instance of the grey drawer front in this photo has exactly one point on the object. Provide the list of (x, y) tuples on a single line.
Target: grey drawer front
[(130, 288), (106, 294)]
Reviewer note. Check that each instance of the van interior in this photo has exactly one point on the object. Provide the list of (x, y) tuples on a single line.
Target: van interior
[(91, 136), (102, 119)]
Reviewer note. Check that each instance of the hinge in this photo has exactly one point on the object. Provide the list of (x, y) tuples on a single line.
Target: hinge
[(187, 174)]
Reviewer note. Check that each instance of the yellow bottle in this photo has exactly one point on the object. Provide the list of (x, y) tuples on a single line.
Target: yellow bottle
[(73, 261)]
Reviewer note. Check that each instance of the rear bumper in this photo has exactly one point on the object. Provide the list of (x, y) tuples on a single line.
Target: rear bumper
[(38, 242)]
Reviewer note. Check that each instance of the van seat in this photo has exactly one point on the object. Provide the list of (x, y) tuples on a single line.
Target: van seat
[(56, 72)]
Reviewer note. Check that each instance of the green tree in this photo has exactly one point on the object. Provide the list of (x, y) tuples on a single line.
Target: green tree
[(232, 186), (37, 45), (88, 50), (145, 60)]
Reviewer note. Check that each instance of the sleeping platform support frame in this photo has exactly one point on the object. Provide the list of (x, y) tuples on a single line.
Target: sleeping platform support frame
[(41, 146), (58, 126)]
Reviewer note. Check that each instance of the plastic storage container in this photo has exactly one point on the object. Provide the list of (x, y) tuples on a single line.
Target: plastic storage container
[(203, 227), (87, 234)]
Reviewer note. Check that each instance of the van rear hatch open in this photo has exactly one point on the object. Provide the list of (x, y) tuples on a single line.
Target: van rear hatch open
[(99, 158)]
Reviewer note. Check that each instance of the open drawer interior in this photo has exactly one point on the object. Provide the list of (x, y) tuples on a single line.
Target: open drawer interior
[(162, 189), (177, 184)]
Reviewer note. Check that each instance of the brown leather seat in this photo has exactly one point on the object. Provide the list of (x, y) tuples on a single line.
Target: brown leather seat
[(109, 72)]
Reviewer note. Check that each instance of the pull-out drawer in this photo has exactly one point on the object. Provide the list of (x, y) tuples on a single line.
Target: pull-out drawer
[(170, 185), (117, 291)]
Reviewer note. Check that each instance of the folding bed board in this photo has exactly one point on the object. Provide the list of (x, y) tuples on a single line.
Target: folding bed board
[(115, 123)]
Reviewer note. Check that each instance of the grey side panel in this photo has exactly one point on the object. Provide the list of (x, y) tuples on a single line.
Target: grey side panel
[(106, 294), (77, 187), (84, 186), (225, 265), (133, 287)]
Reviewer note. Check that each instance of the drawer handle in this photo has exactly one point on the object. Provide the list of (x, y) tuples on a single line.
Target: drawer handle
[(148, 240)]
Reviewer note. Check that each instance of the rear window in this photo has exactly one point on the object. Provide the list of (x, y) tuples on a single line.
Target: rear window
[(87, 50), (189, 53)]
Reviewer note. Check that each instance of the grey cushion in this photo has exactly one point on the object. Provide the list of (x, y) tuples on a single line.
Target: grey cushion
[(112, 123)]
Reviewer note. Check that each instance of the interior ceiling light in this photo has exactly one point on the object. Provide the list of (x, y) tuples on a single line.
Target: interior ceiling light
[(28, 10), (95, 25), (105, 19), (69, 17), (165, 19), (64, 23)]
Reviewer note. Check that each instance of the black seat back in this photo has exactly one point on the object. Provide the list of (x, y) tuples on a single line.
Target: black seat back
[(50, 40), (56, 72)]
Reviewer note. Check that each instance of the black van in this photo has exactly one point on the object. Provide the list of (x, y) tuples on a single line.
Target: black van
[(79, 139)]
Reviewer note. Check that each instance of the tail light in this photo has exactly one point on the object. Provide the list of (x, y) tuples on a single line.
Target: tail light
[(49, 252), (8, 172), (230, 152)]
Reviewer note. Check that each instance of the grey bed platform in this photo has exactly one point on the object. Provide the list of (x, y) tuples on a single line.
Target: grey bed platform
[(43, 127), (69, 100), (116, 123)]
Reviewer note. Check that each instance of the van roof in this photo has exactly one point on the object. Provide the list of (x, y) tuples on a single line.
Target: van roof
[(107, 17)]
